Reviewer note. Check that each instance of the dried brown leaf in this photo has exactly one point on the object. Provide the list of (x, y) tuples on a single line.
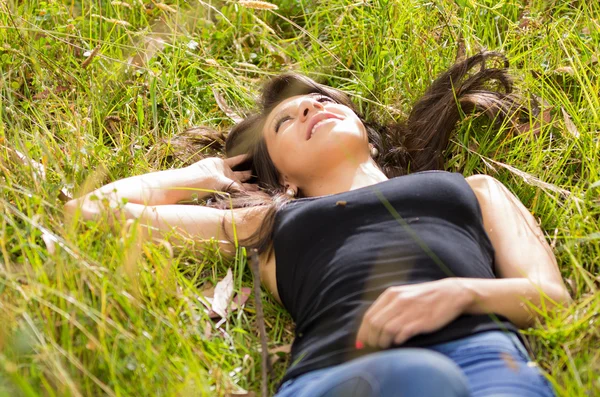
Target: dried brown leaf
[(240, 299), (535, 128), (571, 128)]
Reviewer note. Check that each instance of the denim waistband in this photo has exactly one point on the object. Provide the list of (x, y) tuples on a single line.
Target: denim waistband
[(501, 340)]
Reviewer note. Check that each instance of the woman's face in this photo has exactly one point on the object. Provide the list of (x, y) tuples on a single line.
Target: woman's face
[(307, 136)]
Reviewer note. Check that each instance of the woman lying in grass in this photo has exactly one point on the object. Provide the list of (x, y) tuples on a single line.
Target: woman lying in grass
[(403, 280)]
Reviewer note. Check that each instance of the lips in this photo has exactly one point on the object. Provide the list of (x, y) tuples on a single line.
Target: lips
[(319, 117)]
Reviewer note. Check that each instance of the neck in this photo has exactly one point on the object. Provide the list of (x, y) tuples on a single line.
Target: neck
[(344, 178)]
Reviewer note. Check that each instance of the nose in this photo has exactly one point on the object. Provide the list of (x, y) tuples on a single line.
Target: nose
[(307, 107)]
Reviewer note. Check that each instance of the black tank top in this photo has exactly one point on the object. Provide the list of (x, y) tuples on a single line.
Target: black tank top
[(335, 254)]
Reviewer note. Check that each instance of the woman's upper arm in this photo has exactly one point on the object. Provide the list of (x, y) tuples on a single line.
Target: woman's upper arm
[(521, 249), (197, 222)]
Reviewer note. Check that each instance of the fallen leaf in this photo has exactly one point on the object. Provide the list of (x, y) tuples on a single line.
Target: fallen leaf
[(571, 128), (240, 299), (223, 295), (225, 108), (237, 303)]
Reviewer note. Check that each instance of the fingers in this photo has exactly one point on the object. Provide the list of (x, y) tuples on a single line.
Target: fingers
[(405, 333), (243, 175), (371, 314), (235, 160)]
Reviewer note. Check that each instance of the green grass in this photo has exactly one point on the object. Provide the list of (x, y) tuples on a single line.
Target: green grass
[(105, 315)]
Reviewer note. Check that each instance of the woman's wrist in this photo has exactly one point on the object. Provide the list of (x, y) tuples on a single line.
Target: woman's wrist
[(464, 296)]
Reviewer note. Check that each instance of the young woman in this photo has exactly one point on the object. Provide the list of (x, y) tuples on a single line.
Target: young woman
[(403, 280)]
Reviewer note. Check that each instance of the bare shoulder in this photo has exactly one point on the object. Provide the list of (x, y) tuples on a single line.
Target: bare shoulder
[(482, 181), (485, 187)]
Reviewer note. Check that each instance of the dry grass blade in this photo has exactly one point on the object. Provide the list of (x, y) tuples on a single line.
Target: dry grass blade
[(165, 7), (226, 108), (529, 179), (117, 3), (90, 57), (112, 20), (257, 5)]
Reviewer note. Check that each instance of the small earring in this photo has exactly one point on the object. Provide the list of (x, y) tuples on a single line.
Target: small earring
[(291, 193), (374, 152)]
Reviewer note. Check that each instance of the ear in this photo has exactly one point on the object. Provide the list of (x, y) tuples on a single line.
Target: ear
[(287, 184)]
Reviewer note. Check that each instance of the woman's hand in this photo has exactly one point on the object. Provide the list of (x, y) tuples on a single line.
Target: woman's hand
[(402, 312), (222, 176)]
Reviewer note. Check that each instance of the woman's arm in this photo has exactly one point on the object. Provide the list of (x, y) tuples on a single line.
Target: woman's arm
[(525, 264), (150, 199), (529, 283), (162, 187)]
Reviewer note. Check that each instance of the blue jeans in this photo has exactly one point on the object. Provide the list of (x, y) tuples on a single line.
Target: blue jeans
[(492, 363)]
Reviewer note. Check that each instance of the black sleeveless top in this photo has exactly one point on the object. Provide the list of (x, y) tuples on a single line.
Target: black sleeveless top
[(335, 254)]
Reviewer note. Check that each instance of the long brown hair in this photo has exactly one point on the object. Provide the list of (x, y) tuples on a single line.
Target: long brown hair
[(415, 144)]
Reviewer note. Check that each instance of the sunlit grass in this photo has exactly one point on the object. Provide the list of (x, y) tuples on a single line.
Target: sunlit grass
[(107, 315)]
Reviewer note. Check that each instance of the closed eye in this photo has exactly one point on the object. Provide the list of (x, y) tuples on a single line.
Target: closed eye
[(324, 98), (280, 122)]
